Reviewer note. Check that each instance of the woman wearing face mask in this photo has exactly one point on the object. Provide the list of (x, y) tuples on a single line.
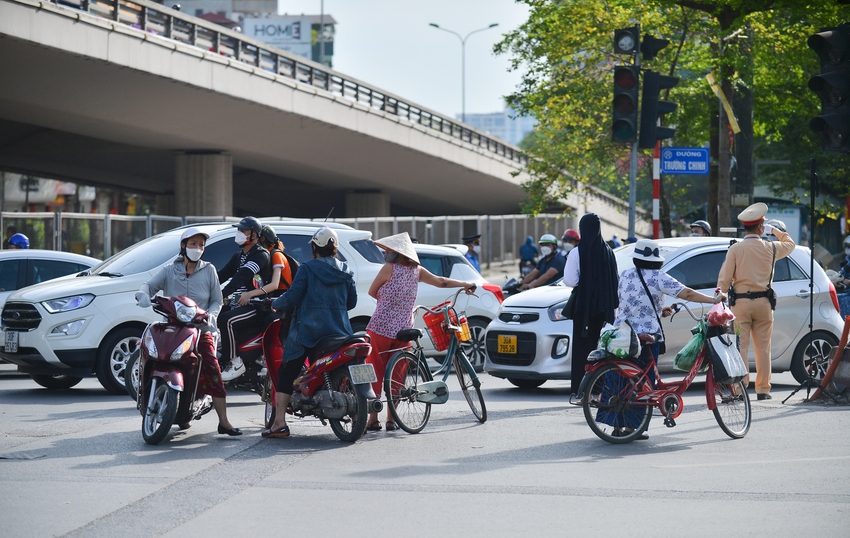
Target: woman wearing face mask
[(550, 267), (395, 290), (196, 279)]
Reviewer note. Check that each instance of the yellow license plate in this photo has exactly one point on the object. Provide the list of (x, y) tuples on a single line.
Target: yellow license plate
[(507, 343)]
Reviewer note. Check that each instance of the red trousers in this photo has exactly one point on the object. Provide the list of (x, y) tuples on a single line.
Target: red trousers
[(210, 381), (383, 349)]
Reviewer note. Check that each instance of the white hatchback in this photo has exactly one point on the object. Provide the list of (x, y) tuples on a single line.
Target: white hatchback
[(64, 330)]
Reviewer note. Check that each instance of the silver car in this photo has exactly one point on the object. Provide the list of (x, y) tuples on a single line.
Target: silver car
[(529, 343)]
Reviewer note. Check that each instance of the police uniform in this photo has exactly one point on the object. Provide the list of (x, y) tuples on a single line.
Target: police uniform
[(748, 270), (471, 256)]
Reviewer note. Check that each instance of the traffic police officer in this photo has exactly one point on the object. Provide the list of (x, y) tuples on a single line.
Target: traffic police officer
[(748, 270), (473, 245)]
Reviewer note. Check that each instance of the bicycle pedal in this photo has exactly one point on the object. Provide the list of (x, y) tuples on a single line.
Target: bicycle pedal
[(669, 422)]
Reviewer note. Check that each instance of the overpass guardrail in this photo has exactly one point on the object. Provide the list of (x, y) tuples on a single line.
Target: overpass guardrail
[(157, 19)]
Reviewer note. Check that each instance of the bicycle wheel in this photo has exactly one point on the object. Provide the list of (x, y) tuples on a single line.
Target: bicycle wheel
[(733, 409), (468, 380), (405, 372), (607, 407)]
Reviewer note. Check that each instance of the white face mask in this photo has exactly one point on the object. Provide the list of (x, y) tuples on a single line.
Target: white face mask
[(240, 238), (194, 254), (545, 250), (476, 249), (567, 247)]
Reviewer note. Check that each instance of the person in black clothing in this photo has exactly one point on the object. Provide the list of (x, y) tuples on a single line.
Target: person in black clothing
[(252, 261)]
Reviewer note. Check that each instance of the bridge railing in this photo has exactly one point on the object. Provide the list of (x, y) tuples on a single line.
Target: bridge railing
[(160, 20)]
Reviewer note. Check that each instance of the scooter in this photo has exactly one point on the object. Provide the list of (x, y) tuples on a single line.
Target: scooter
[(525, 268), (335, 383), (510, 287), (169, 368)]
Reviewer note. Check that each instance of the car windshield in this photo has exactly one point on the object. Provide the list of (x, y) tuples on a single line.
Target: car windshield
[(143, 256)]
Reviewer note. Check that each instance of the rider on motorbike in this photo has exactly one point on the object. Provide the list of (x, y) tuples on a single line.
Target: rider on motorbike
[(241, 269), (550, 267), (527, 253), (322, 293), (192, 277)]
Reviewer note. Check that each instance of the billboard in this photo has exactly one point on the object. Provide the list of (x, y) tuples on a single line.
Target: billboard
[(292, 34)]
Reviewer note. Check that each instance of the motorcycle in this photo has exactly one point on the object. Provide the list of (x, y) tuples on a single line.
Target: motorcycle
[(510, 287), (335, 384), (526, 267), (169, 368)]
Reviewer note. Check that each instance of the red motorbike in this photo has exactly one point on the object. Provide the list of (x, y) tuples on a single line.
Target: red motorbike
[(169, 368), (335, 383)]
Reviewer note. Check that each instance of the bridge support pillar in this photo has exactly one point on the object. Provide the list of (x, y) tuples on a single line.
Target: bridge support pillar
[(367, 204), (203, 184)]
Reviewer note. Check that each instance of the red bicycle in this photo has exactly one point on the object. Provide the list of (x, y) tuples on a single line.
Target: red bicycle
[(619, 396)]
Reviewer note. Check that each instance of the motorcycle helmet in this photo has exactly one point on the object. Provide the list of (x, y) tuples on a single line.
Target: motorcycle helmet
[(191, 232), (323, 236), (548, 238), (701, 224), (269, 235), (778, 224), (250, 223), (19, 241), (572, 234)]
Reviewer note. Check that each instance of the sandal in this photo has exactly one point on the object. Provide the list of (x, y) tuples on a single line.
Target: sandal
[(274, 434), (376, 426), (391, 426)]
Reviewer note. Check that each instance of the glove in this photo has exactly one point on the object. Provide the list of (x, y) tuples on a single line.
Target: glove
[(143, 300), (768, 229)]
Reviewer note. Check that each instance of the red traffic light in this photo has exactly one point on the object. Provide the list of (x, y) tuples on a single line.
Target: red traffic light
[(626, 86)]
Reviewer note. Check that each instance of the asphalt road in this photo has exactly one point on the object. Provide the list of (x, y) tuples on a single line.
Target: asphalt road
[(73, 463)]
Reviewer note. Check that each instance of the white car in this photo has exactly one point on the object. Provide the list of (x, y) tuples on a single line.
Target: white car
[(61, 331), (529, 342), (20, 268)]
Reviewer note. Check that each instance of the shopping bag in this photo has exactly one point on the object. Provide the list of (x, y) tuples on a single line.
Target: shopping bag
[(620, 341), (686, 356), (726, 361), (720, 314)]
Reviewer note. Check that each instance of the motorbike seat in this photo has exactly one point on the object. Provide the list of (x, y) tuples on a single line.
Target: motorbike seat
[(409, 335), (334, 342)]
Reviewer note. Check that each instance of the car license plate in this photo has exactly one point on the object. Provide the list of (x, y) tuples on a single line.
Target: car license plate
[(507, 343), (11, 341), (362, 373)]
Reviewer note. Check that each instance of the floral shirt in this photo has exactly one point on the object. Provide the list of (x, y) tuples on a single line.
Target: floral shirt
[(396, 299), (635, 305)]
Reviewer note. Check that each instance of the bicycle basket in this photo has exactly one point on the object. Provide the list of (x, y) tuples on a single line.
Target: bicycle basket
[(436, 325)]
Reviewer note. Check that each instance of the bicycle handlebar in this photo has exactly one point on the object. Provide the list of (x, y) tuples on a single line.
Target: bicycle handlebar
[(678, 306)]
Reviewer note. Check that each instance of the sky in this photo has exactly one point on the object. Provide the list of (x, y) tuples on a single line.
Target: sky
[(389, 44)]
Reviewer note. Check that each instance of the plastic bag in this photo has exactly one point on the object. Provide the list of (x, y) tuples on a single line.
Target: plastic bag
[(686, 356), (720, 314), (620, 341)]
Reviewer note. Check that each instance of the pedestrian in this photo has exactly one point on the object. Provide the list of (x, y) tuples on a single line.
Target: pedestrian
[(321, 295), (700, 228), (473, 246), (196, 279), (592, 271), (747, 276), (550, 267), (395, 289)]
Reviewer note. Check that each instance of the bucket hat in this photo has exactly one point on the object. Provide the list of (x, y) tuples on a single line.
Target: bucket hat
[(647, 250)]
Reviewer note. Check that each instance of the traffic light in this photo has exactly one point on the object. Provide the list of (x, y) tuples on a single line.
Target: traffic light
[(651, 108), (651, 46), (626, 88), (832, 86), (626, 40)]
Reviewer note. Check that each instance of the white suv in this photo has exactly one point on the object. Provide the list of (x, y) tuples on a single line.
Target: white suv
[(62, 331)]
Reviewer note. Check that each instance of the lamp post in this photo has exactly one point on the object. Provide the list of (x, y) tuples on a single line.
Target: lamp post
[(463, 61)]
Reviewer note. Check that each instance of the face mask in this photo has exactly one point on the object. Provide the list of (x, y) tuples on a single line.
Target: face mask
[(476, 249), (696, 235), (390, 256), (847, 251), (567, 247), (194, 254), (240, 238), (546, 250)]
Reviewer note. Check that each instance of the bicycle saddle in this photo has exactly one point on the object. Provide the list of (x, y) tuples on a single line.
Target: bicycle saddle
[(409, 335)]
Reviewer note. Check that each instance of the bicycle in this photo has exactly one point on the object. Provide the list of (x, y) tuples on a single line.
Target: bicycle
[(618, 396), (409, 384)]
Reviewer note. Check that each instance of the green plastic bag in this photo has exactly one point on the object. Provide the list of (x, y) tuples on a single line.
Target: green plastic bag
[(686, 356)]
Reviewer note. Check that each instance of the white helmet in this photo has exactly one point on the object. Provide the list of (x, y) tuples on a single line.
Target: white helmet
[(847, 241), (191, 232), (548, 238), (324, 235)]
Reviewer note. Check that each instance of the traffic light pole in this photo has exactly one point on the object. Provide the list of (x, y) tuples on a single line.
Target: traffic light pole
[(633, 175), (656, 189)]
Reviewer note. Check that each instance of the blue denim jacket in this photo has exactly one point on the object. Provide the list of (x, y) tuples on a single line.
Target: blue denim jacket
[(322, 293)]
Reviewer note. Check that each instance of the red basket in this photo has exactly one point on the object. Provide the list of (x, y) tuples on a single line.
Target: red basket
[(436, 325)]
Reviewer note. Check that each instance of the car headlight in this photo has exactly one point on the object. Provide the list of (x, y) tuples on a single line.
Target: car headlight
[(560, 347), (185, 313), (556, 311), (183, 348), (66, 304), (71, 328), (147, 340)]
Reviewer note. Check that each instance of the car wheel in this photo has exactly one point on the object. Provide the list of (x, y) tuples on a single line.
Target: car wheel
[(476, 348), (56, 381), (811, 356), (526, 383), (112, 358)]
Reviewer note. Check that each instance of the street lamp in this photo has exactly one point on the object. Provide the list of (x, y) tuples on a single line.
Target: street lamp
[(463, 61)]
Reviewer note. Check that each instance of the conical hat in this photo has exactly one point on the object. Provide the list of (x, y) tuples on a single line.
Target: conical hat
[(400, 243)]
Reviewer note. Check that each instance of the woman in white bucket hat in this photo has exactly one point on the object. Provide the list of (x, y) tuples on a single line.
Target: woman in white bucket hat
[(395, 290)]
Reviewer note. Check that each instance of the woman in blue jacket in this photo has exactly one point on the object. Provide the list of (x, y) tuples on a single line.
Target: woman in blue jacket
[(321, 295)]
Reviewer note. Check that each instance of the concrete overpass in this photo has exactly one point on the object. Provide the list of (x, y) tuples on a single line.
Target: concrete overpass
[(136, 96)]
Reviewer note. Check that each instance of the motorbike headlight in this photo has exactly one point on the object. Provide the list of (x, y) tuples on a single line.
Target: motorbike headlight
[(183, 348), (185, 313), (556, 311), (71, 328), (66, 304), (149, 344)]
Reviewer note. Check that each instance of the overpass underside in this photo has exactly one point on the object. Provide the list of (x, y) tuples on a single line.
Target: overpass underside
[(99, 103)]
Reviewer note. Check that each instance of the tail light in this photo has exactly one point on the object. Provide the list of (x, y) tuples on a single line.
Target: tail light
[(495, 290), (359, 352), (834, 296)]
